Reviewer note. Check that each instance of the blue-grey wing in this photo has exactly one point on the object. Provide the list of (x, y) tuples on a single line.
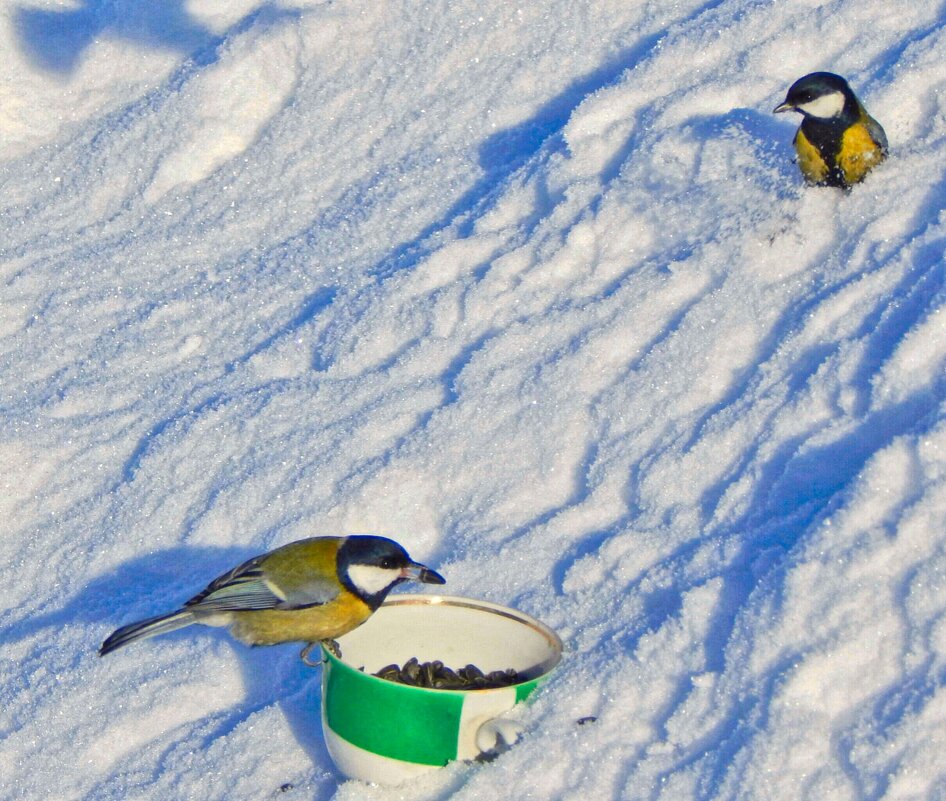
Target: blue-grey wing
[(246, 588), (876, 132)]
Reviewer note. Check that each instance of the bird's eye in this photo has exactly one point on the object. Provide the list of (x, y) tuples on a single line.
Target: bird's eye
[(388, 563)]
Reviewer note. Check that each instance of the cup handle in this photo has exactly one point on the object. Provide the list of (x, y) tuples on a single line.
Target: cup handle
[(496, 736)]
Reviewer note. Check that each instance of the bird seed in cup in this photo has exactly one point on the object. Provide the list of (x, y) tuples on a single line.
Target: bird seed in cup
[(437, 676)]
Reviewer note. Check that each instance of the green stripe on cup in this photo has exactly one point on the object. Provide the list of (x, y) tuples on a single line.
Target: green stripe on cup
[(394, 720), (523, 690)]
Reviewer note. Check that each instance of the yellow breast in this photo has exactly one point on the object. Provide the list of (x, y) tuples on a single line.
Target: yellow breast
[(859, 153), (330, 620), (810, 161)]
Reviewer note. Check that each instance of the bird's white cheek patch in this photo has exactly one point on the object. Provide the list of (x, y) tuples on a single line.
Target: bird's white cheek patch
[(370, 579), (825, 107)]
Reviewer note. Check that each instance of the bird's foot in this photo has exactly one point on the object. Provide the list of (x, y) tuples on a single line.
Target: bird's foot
[(304, 655), (330, 645), (334, 647)]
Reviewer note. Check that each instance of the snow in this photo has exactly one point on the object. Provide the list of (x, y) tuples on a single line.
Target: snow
[(534, 289)]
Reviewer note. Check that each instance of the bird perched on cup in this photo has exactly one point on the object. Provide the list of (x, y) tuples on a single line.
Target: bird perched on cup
[(309, 591), (838, 142)]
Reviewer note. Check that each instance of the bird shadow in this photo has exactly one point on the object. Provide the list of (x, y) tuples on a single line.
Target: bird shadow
[(158, 582)]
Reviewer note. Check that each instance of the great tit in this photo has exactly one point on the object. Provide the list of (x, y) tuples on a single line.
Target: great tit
[(307, 591), (838, 142)]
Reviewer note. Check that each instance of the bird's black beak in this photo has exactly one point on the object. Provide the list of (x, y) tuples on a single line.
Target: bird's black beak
[(418, 572), (783, 107)]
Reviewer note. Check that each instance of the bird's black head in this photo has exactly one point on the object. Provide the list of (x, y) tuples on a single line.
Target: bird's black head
[(822, 95), (371, 566)]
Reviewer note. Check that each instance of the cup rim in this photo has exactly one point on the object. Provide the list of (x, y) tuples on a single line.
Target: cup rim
[(421, 599)]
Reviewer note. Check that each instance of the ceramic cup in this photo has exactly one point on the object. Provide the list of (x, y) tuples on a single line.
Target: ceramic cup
[(385, 732)]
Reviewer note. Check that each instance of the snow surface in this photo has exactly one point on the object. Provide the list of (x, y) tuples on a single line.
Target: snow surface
[(535, 289)]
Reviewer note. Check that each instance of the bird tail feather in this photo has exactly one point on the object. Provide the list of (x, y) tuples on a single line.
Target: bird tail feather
[(146, 628)]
